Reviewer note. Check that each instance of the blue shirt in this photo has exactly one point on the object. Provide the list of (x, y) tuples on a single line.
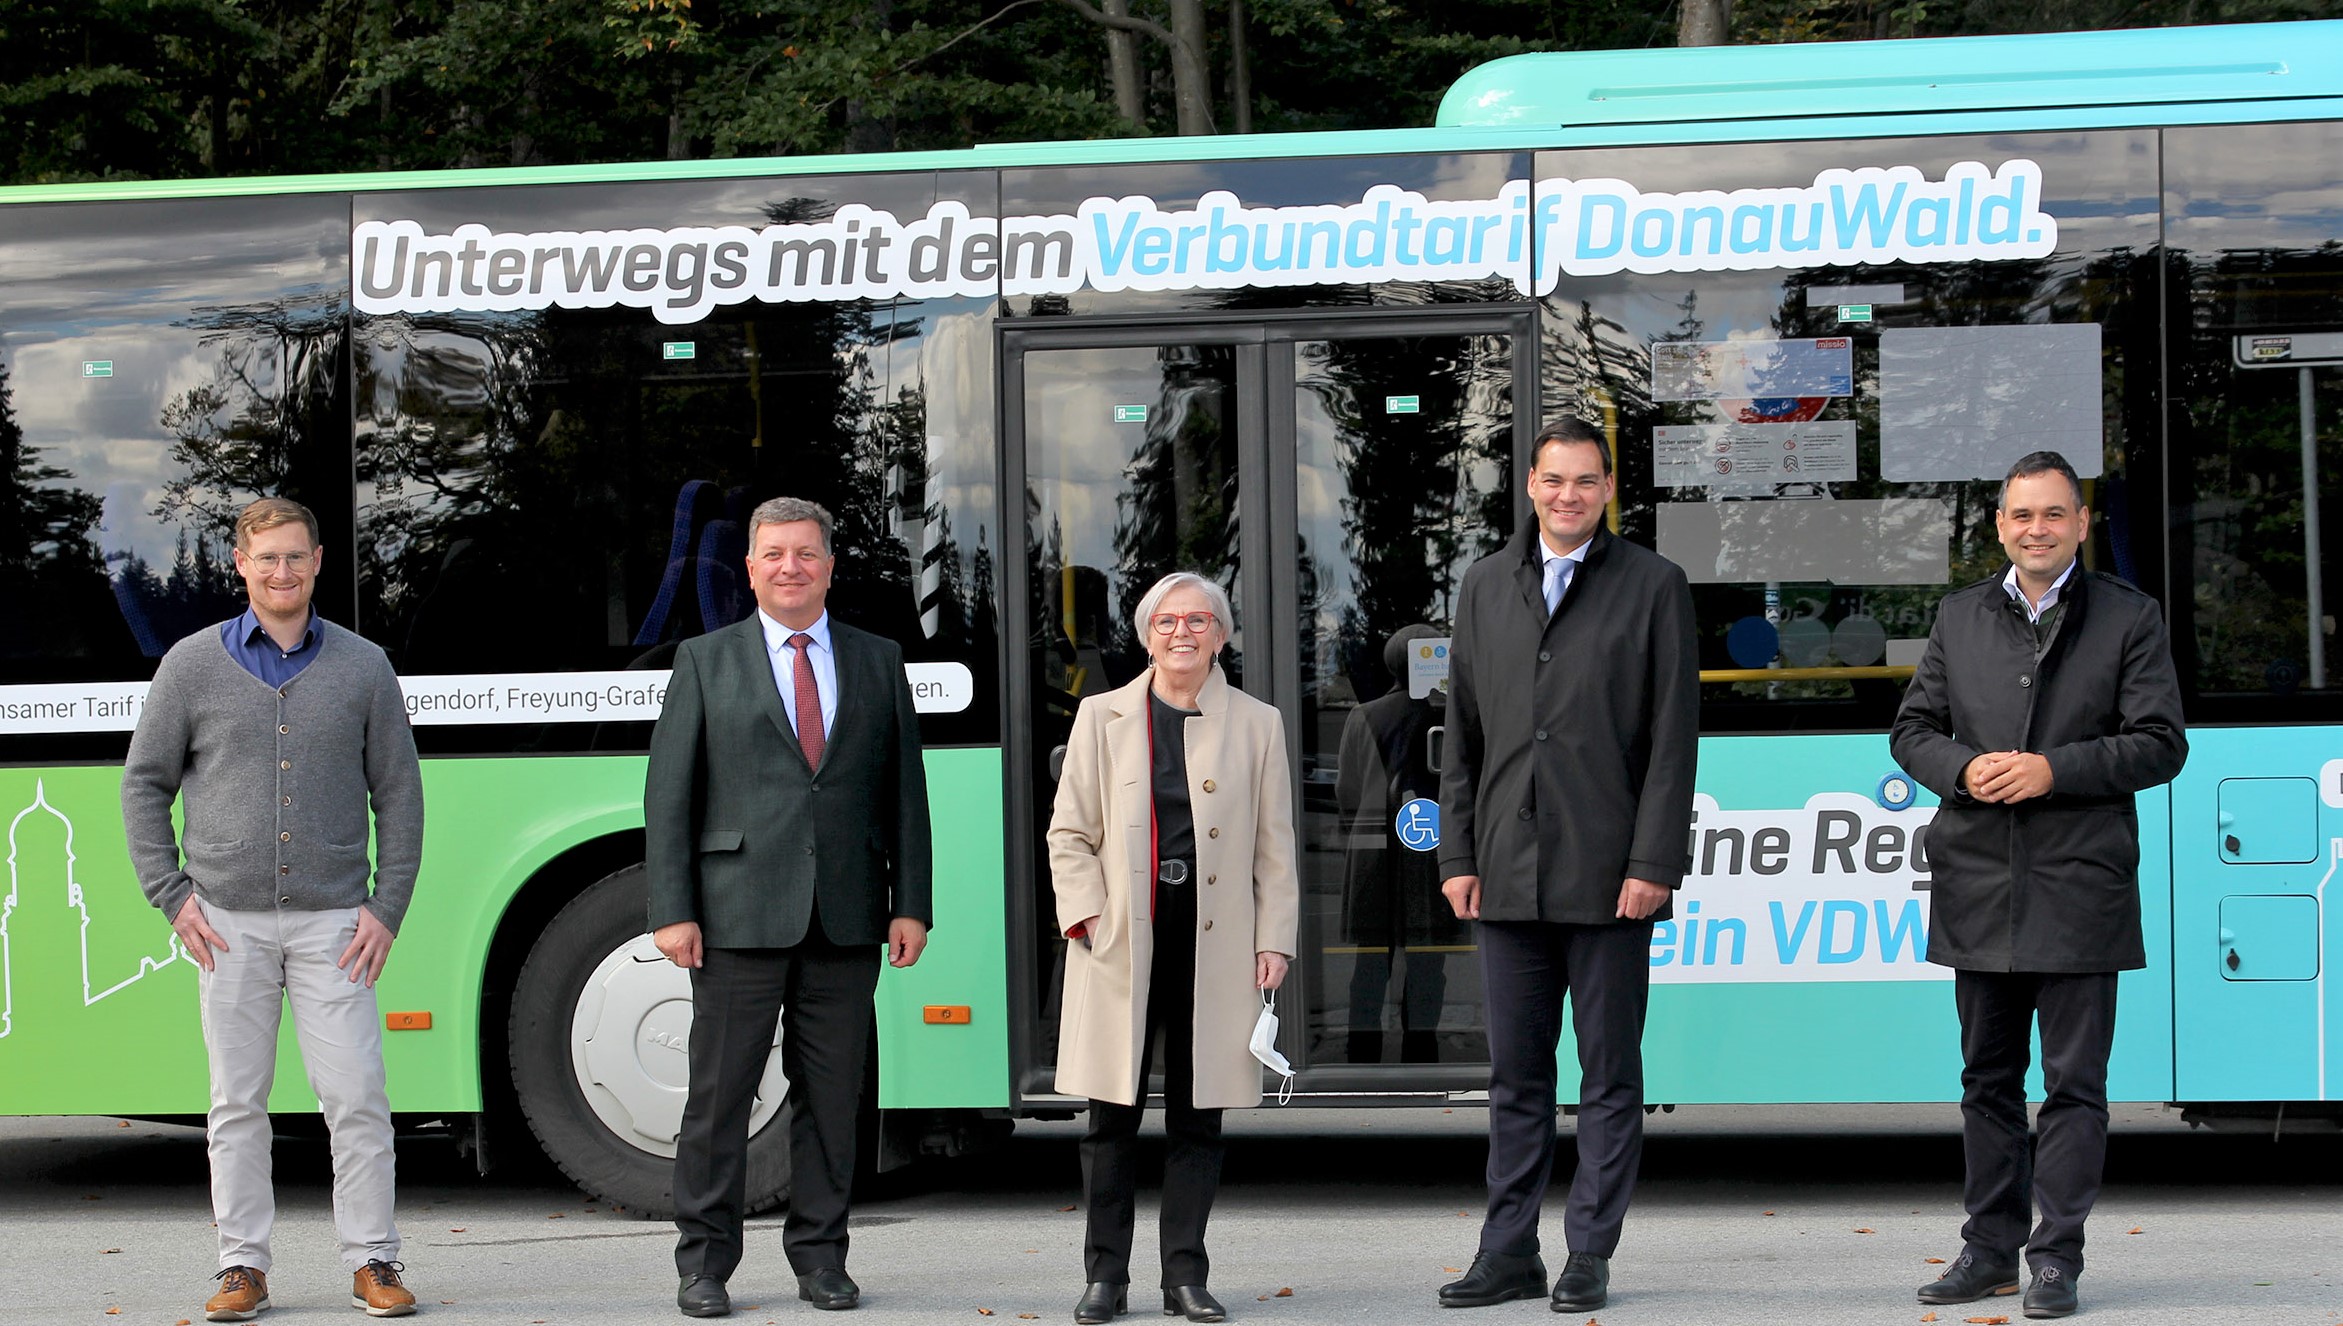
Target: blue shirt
[(249, 644)]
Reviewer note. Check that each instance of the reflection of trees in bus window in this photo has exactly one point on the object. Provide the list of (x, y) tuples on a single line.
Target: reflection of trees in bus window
[(48, 550), (2255, 216)]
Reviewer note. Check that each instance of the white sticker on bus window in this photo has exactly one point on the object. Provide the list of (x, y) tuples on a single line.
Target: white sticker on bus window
[(1741, 454), (1889, 541), (1427, 666), (1712, 370), (1958, 403), (1827, 296)]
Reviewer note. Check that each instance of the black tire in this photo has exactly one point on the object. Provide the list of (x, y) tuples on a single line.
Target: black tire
[(595, 924)]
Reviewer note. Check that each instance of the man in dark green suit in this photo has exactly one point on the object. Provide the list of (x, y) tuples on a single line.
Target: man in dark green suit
[(786, 818)]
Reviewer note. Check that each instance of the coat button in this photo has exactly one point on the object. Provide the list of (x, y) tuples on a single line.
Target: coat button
[(809, 851), (1214, 834), (1541, 734), (287, 900), (1208, 925), (1545, 656), (1525, 812), (2025, 681), (284, 764), (288, 801), (1208, 786), (282, 729), (284, 837), (284, 870)]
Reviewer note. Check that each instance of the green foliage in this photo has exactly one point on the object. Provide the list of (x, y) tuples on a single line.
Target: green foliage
[(111, 89)]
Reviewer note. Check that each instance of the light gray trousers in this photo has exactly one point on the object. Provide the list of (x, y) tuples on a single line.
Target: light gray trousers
[(274, 958)]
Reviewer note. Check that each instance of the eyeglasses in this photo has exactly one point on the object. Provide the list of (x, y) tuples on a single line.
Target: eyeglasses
[(1165, 623), (294, 562)]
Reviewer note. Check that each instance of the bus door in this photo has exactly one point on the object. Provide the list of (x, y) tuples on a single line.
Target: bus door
[(1335, 475)]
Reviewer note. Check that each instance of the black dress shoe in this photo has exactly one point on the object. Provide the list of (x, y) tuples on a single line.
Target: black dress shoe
[(1102, 1300), (1192, 1302), (703, 1296), (1495, 1277), (2051, 1293), (831, 1289), (1584, 1285), (1970, 1278)]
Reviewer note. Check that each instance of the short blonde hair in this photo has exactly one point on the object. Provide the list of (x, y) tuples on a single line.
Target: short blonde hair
[(1154, 597), (270, 512)]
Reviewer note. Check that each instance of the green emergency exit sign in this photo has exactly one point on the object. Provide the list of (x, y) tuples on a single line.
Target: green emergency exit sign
[(97, 368), (1130, 414), (1854, 313), (1403, 405), (679, 350)]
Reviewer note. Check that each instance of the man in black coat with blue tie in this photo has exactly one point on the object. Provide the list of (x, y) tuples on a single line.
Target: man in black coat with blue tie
[(1565, 807), (787, 847)]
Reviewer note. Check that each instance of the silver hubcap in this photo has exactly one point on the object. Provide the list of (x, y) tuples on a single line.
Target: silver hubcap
[(629, 1042)]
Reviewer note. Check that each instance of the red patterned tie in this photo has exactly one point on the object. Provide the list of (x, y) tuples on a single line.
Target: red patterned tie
[(809, 702)]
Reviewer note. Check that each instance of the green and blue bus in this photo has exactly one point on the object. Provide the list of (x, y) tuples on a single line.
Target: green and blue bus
[(1818, 297)]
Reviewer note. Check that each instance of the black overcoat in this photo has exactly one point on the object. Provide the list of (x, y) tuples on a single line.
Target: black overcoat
[(1571, 740), (2049, 884), (744, 838)]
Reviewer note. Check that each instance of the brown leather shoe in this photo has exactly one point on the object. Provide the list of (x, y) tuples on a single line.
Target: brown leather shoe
[(376, 1288), (243, 1295)]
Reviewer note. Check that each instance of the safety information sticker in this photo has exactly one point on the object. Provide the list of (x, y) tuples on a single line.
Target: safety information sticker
[(1735, 455), (1709, 370)]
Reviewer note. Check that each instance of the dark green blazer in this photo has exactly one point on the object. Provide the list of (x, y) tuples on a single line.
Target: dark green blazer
[(746, 839)]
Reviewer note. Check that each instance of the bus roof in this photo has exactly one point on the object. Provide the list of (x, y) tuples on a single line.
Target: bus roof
[(2136, 67), (2212, 74)]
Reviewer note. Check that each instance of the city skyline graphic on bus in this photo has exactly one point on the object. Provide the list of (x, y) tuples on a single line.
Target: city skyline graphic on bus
[(45, 895)]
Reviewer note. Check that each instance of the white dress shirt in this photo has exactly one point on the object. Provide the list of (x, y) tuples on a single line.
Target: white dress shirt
[(784, 661), (2034, 611)]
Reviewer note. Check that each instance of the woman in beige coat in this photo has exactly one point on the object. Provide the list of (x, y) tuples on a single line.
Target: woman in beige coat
[(1171, 848)]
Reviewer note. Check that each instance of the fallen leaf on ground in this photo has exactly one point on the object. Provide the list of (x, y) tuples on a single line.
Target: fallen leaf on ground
[(1765, 1213), (1453, 1270), (447, 1302), (1287, 1292), (1866, 1231), (558, 1215), (1933, 1261), (1987, 1321), (1260, 1298), (1927, 1316), (113, 1312), (1065, 1208), (106, 1251), (124, 1124), (456, 1229), (2135, 1229), (984, 1312), (1031, 1250), (1028, 1316)]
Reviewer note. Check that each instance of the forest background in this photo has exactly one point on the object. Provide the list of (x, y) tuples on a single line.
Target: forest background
[(132, 89)]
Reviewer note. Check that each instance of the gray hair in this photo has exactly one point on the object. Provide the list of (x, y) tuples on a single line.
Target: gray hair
[(785, 510), (1154, 597)]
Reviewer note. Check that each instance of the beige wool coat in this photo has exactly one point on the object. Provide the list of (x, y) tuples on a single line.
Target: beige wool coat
[(1247, 898)]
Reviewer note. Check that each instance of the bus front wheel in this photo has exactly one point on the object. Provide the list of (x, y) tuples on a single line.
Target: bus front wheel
[(600, 1026)]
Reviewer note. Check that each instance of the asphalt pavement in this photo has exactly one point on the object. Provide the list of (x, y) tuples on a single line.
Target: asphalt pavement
[(1770, 1215)]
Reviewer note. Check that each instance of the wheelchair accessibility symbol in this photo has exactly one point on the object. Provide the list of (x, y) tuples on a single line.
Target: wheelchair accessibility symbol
[(1418, 825)]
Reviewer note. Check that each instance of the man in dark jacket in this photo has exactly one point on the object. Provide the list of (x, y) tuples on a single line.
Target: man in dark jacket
[(1566, 800), (2045, 700)]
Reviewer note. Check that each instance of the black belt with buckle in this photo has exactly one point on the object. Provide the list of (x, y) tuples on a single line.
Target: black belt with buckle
[(1172, 872)]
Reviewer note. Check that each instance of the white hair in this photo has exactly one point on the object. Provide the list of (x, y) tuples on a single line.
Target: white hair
[(1154, 597)]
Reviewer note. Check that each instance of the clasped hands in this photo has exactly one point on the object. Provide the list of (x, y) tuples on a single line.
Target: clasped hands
[(2004, 777), (1638, 898)]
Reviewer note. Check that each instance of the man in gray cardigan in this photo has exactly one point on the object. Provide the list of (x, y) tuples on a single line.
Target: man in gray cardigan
[(274, 731)]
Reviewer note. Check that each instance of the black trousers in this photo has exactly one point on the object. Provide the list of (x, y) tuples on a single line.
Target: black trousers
[(820, 993), (1527, 967), (1191, 1162), (2060, 1171)]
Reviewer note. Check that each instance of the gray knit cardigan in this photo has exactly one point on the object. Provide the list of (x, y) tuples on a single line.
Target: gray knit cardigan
[(275, 783)]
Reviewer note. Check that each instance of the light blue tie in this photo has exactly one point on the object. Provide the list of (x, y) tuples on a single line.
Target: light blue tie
[(1558, 571)]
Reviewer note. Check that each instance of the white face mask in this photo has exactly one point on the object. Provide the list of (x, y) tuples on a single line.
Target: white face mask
[(1265, 1047)]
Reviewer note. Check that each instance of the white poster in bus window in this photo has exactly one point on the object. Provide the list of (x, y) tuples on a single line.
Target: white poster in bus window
[(1736, 455), (1752, 370), (1960, 403)]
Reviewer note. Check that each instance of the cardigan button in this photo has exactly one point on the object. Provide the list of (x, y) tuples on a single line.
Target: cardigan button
[(2025, 681), (1208, 925), (1214, 834), (1525, 812), (1215, 879), (1209, 787)]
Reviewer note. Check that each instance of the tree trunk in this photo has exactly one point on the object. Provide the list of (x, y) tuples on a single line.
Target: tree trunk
[(1240, 71), (1191, 79), (679, 143), (1705, 23), (1122, 67)]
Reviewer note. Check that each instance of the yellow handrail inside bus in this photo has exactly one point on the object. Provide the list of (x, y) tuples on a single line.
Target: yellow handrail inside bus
[(1882, 672)]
